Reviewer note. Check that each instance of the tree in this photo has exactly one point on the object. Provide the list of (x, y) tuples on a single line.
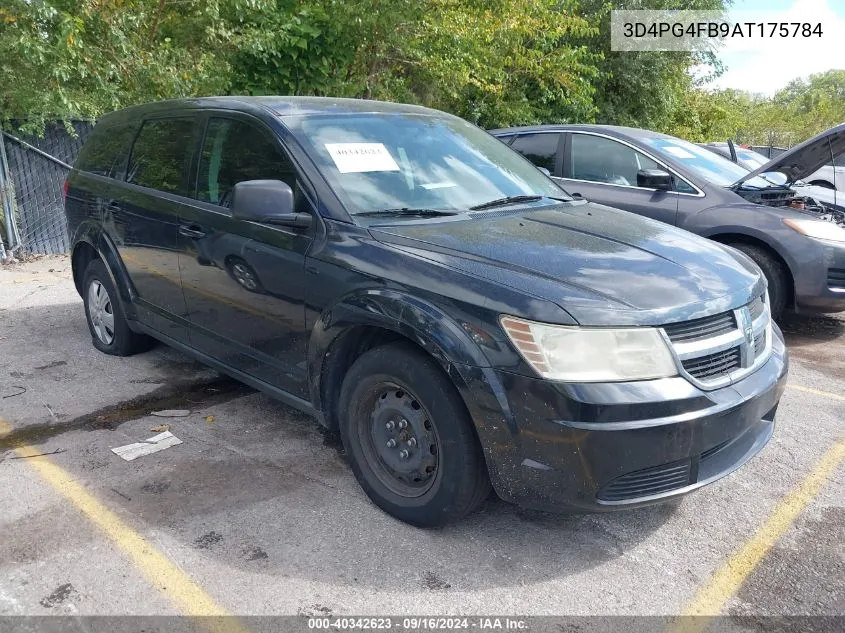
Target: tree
[(67, 59), (644, 89), (802, 109)]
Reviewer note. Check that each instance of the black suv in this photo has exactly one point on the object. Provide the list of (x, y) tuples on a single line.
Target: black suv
[(412, 282)]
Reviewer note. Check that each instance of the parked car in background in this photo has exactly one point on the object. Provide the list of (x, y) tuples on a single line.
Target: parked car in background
[(798, 243), (410, 281), (748, 158), (831, 176), (752, 160), (769, 151)]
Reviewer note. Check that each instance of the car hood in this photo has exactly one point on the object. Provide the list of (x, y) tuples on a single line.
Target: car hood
[(602, 265), (805, 158)]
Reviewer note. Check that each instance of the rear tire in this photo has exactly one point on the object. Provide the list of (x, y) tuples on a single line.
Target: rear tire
[(409, 437), (776, 274), (110, 333)]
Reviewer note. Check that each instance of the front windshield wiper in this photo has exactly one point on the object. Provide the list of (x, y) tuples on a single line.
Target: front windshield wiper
[(501, 202), (406, 211)]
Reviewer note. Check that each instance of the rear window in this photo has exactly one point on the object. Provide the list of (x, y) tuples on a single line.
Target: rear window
[(160, 154), (105, 151)]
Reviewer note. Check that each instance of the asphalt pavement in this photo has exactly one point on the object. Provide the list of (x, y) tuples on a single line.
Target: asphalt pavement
[(257, 511)]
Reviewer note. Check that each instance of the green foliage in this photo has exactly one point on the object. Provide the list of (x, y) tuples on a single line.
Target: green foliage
[(62, 59), (504, 62), (493, 62), (802, 109), (644, 89)]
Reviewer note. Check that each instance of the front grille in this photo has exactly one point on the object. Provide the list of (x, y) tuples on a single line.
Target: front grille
[(647, 482), (711, 365), (836, 277), (714, 350), (759, 343), (700, 329), (756, 307)]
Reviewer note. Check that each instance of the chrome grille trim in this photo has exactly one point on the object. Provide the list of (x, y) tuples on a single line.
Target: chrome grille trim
[(701, 329), (721, 359)]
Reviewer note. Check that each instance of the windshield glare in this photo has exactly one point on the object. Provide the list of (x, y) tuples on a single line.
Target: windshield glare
[(376, 162), (751, 159), (702, 162)]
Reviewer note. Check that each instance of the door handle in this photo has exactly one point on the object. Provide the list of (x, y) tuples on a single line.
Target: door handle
[(191, 231)]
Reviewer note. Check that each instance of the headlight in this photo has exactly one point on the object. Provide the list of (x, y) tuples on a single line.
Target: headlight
[(819, 229), (575, 354)]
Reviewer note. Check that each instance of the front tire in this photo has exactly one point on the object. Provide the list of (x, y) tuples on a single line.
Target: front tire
[(777, 276), (110, 333), (409, 437)]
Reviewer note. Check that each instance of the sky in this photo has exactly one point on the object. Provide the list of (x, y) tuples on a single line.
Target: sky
[(766, 66)]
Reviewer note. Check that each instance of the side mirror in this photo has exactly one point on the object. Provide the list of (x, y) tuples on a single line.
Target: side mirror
[(655, 179), (267, 202)]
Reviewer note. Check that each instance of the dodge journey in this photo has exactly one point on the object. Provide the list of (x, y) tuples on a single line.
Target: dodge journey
[(423, 289)]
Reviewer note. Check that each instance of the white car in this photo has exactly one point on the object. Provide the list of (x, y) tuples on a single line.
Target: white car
[(830, 176)]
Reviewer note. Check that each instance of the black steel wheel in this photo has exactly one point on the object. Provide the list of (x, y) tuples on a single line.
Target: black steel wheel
[(409, 437), (401, 443)]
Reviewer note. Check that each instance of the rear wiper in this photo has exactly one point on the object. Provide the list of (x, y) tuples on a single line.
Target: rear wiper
[(501, 202), (406, 211)]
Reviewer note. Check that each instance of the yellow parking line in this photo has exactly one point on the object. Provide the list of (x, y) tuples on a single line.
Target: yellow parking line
[(711, 598), (816, 392), (160, 571)]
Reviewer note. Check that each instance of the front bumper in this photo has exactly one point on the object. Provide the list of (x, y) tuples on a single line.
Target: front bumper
[(819, 284), (599, 447)]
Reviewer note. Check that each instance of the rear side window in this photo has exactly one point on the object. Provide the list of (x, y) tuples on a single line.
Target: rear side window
[(104, 153), (540, 149), (234, 151), (161, 153)]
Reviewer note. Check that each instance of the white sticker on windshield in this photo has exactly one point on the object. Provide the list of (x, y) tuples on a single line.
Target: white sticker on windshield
[(361, 157), (679, 152)]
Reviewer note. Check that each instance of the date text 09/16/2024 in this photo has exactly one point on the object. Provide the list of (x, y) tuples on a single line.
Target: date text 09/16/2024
[(417, 623)]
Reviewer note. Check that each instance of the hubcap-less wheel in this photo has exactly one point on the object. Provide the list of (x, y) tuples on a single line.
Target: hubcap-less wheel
[(401, 442), (101, 312), (244, 276)]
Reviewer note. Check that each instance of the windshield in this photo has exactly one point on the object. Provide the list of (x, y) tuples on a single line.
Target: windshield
[(702, 162), (750, 159), (376, 162)]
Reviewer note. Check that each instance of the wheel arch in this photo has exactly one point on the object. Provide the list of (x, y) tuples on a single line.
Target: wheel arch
[(729, 238), (91, 245), (83, 254), (360, 322), (821, 182)]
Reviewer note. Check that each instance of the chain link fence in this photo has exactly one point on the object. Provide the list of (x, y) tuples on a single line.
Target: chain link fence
[(33, 174)]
